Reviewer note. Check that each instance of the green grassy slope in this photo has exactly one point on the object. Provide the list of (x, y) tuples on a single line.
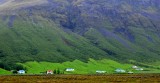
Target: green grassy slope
[(83, 68), (4, 72), (80, 67), (43, 41)]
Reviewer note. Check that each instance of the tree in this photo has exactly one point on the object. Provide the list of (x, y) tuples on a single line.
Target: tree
[(14, 71), (58, 71), (19, 67), (55, 71)]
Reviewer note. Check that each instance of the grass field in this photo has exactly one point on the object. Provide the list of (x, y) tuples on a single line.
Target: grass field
[(90, 67), (2, 72), (116, 78), (80, 67)]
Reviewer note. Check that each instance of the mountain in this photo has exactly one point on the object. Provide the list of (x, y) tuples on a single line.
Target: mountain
[(65, 30)]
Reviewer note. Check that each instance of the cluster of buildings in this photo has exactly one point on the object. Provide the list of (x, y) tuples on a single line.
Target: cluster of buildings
[(67, 70), (118, 70), (47, 72)]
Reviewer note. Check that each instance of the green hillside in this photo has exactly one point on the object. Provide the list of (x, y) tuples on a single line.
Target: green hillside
[(83, 68), (80, 67), (4, 72), (43, 42)]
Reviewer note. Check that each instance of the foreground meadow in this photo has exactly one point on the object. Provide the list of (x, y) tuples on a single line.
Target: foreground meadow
[(114, 78)]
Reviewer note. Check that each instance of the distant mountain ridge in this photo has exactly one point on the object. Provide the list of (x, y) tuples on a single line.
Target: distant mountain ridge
[(65, 30)]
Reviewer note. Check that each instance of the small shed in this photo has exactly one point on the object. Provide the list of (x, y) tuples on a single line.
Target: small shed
[(69, 69), (49, 72), (21, 72)]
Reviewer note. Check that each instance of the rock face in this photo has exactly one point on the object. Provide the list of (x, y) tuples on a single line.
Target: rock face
[(80, 29)]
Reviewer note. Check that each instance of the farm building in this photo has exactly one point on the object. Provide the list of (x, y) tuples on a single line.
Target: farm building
[(21, 72), (100, 72), (134, 67), (120, 71), (139, 69), (130, 72), (49, 72), (70, 69)]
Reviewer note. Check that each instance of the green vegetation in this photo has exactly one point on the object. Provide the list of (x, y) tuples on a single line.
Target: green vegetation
[(43, 42), (81, 68), (4, 72)]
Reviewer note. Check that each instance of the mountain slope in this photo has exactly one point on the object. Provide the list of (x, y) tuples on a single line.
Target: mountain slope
[(65, 30), (16, 4)]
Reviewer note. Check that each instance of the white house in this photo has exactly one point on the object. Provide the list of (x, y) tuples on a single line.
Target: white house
[(139, 69), (49, 72), (21, 72), (134, 67), (100, 72), (130, 72), (70, 69), (120, 71)]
